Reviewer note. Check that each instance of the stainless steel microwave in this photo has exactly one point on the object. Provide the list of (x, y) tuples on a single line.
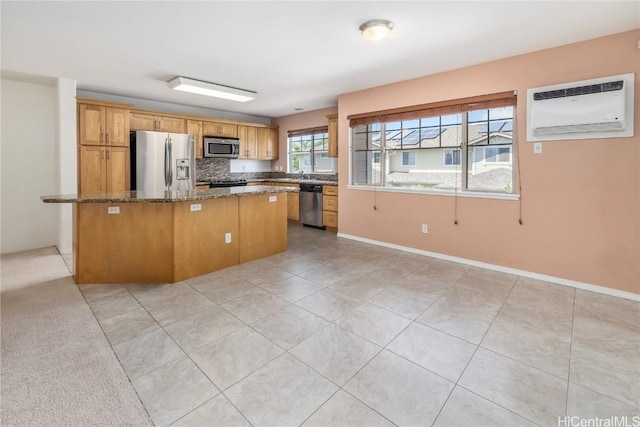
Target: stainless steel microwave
[(227, 148)]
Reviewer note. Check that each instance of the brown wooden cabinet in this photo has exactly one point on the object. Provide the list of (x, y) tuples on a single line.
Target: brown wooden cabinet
[(194, 127), (333, 135), (103, 147), (330, 206), (99, 124), (221, 129), (248, 136), (293, 199), (158, 123), (267, 144), (103, 169), (293, 206), (262, 226)]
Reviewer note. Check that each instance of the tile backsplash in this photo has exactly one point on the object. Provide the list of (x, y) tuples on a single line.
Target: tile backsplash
[(208, 169)]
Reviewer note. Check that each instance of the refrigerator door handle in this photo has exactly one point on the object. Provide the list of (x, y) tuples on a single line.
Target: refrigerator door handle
[(166, 162), (170, 168)]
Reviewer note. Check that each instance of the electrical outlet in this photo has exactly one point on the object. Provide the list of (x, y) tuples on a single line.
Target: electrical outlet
[(227, 238), (273, 198), (112, 210), (537, 147), (196, 207), (425, 228)]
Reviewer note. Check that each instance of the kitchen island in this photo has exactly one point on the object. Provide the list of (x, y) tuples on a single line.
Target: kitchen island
[(133, 237)]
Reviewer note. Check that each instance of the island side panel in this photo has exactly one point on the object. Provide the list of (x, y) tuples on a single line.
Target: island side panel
[(132, 246), (199, 236), (263, 226)]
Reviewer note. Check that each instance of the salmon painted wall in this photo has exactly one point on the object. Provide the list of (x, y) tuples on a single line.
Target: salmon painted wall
[(580, 198), (297, 121)]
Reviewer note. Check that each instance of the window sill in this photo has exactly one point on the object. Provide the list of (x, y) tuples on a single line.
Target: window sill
[(473, 194)]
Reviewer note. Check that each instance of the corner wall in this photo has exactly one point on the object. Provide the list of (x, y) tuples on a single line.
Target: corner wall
[(67, 160), (297, 121), (580, 199)]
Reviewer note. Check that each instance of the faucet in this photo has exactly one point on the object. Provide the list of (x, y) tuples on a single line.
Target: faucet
[(301, 173)]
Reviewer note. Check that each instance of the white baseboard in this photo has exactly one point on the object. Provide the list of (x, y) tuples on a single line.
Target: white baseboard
[(62, 251), (532, 275)]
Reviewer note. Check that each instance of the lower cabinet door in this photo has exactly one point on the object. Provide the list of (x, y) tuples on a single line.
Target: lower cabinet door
[(293, 206), (117, 169), (92, 164), (330, 219)]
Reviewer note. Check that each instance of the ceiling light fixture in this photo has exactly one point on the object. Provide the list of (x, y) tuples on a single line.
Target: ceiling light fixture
[(211, 89), (376, 29)]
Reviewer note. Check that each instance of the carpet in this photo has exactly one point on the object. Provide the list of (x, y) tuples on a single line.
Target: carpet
[(57, 367)]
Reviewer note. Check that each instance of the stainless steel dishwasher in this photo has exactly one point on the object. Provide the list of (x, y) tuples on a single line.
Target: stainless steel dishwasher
[(311, 205)]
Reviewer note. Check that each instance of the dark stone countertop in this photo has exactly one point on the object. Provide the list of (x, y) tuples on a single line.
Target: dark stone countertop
[(296, 181), (173, 197)]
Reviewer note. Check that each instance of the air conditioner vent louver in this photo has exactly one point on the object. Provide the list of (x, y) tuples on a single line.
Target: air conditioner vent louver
[(587, 109), (579, 90)]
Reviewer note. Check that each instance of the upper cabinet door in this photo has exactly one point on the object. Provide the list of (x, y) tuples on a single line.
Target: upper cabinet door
[(248, 137), (91, 119), (172, 125), (117, 128), (333, 135), (252, 142), (220, 129), (142, 122), (267, 144), (194, 127)]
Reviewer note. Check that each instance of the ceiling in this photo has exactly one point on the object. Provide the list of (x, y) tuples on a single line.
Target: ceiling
[(295, 54)]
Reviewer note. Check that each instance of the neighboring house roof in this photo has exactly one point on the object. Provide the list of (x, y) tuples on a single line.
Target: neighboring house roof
[(450, 136), (495, 138)]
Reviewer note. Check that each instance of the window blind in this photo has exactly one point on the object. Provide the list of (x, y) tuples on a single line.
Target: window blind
[(308, 131), (440, 108)]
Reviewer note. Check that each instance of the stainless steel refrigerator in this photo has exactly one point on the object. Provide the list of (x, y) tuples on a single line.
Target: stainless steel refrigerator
[(162, 162)]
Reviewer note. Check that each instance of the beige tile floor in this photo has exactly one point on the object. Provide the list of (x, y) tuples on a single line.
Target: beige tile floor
[(340, 333)]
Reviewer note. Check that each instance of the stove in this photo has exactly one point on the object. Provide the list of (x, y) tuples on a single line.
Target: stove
[(217, 183)]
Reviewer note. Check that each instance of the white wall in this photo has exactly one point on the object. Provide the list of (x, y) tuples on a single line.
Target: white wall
[(250, 166), (67, 162), (28, 165)]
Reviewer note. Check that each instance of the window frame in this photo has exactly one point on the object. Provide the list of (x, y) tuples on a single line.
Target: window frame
[(452, 150), (380, 182), (497, 147), (323, 134), (415, 158)]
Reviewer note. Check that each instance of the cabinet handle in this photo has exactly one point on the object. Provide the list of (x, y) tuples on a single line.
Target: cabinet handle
[(109, 138), (101, 154), (108, 154)]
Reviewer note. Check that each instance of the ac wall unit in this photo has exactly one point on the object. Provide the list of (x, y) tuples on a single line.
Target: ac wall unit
[(597, 108)]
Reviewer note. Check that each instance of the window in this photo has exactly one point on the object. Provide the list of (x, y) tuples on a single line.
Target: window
[(451, 157), (409, 158), (497, 154), (308, 151), (465, 146)]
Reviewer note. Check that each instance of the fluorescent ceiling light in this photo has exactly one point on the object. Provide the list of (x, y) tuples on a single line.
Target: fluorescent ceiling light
[(376, 29), (211, 89)]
